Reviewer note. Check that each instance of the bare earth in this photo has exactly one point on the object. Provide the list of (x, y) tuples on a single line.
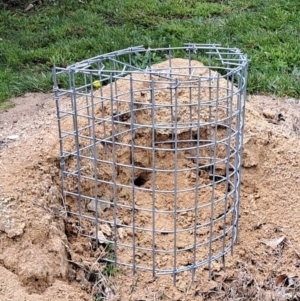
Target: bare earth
[(42, 258)]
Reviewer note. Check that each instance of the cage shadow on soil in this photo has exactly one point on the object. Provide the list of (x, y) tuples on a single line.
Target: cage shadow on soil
[(151, 160)]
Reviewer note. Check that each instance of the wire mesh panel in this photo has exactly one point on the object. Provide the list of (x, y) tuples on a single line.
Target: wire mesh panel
[(151, 145)]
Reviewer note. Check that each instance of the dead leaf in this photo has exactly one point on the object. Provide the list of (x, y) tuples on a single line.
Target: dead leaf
[(29, 7), (274, 243), (288, 281), (281, 279), (109, 294)]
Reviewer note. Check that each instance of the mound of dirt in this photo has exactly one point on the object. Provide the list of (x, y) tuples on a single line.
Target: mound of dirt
[(42, 257)]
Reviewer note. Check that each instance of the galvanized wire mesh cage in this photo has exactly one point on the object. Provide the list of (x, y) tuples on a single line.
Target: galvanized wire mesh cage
[(151, 146)]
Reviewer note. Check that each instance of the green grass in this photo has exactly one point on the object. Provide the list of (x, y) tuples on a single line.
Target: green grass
[(61, 32)]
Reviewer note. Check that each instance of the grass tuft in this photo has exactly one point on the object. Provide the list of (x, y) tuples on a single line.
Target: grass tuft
[(60, 33)]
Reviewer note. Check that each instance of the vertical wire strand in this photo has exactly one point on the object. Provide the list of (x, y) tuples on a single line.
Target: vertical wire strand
[(190, 94), (244, 88), (153, 176), (116, 94), (227, 157), (152, 100), (94, 153), (236, 166), (87, 103), (210, 112), (77, 146), (132, 112), (213, 179), (114, 166), (239, 163), (115, 190), (171, 93), (175, 182), (102, 108), (60, 138), (229, 114), (197, 179)]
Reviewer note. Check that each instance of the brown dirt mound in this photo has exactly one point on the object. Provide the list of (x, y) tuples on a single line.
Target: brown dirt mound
[(43, 258)]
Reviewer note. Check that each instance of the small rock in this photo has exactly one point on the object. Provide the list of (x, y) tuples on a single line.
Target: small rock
[(101, 237), (268, 114), (127, 220), (71, 274), (15, 230), (102, 205), (13, 137), (182, 244), (250, 159), (109, 294), (119, 221), (80, 275), (177, 296), (15, 121), (129, 232), (121, 233), (105, 229)]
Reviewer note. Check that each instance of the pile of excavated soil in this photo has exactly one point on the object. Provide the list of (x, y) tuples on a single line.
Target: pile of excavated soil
[(42, 257)]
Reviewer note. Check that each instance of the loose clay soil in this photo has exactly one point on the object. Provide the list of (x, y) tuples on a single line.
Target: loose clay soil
[(42, 257)]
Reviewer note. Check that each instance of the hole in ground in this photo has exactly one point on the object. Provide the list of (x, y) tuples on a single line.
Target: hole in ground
[(142, 179)]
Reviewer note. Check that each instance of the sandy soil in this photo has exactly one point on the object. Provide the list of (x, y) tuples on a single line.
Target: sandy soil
[(43, 258)]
